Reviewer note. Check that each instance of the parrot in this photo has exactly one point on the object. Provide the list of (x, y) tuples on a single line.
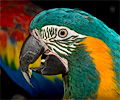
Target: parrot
[(15, 19), (77, 45)]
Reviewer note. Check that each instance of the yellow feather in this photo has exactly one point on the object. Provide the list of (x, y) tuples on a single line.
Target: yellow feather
[(16, 58), (103, 62), (10, 52)]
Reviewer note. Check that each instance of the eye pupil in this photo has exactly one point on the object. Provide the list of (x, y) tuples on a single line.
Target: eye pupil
[(62, 33)]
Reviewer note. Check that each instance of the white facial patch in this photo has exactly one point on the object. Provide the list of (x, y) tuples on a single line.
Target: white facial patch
[(70, 32), (60, 38)]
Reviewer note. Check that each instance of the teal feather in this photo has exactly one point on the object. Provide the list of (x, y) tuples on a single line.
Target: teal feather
[(83, 76), (85, 24)]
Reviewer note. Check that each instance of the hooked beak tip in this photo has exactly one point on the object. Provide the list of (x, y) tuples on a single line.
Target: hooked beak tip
[(27, 78)]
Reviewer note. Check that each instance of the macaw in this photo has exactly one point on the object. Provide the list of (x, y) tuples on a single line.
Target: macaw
[(15, 19), (77, 45)]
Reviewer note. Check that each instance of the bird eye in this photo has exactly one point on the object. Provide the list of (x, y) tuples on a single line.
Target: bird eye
[(62, 33)]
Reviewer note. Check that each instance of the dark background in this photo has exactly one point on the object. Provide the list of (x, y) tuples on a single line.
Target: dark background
[(107, 11)]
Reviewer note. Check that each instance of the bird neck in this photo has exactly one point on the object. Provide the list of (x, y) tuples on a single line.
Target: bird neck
[(80, 67), (87, 71)]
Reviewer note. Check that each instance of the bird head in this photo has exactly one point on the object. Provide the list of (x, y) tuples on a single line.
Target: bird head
[(52, 35), (73, 42), (55, 34)]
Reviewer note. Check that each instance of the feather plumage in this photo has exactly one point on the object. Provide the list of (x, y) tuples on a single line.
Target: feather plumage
[(104, 38), (16, 17)]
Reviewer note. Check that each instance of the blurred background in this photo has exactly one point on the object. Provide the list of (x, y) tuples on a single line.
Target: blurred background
[(15, 17)]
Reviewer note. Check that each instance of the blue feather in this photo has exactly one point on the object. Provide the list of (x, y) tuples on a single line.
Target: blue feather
[(41, 84)]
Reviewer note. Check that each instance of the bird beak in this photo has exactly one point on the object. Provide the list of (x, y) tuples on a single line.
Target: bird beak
[(30, 52), (51, 63)]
